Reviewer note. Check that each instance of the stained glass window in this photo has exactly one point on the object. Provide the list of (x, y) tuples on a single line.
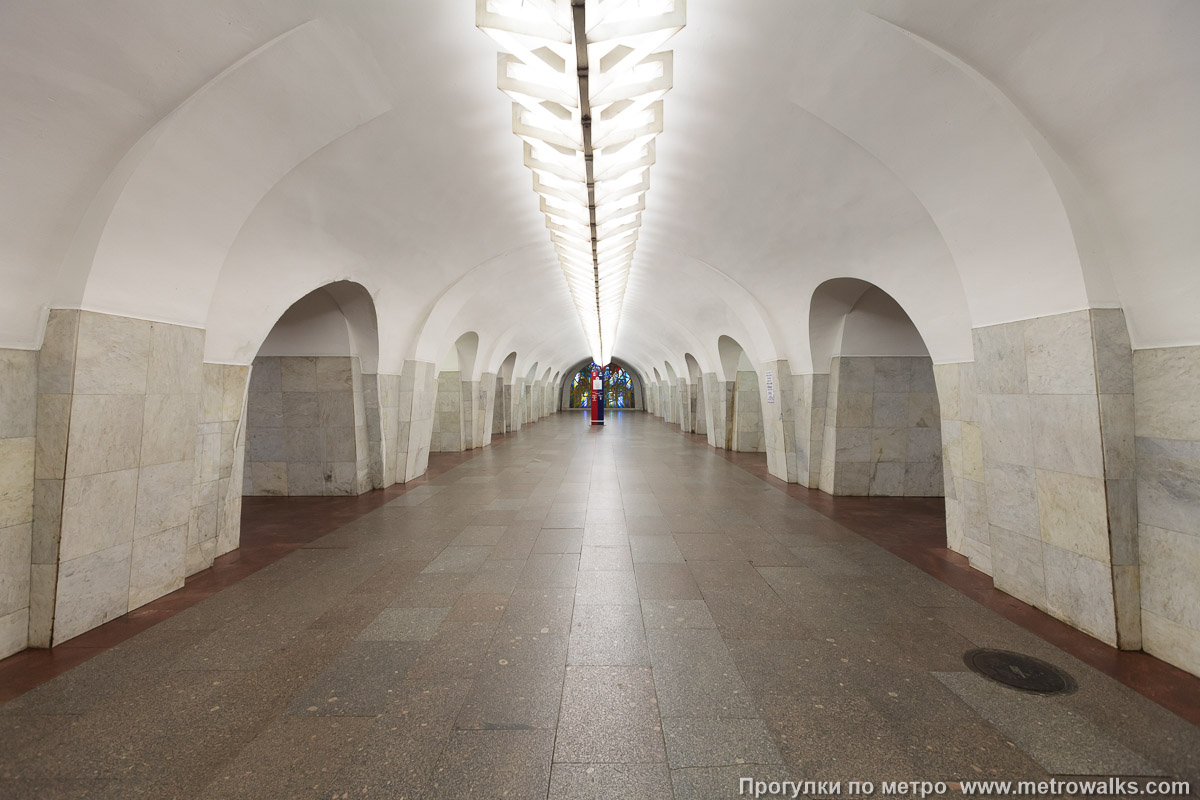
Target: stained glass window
[(618, 387)]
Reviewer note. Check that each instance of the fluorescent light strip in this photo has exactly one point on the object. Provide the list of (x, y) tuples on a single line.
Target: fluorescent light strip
[(587, 87)]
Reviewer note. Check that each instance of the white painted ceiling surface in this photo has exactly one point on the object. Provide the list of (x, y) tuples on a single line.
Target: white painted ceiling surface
[(210, 163)]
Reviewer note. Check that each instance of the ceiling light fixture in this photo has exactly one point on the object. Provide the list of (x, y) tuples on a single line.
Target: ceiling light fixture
[(587, 84)]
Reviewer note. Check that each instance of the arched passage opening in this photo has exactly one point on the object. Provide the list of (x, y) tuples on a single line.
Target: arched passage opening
[(456, 406), (695, 395), (306, 420), (502, 418), (737, 403), (622, 389), (528, 411), (881, 433), (670, 394)]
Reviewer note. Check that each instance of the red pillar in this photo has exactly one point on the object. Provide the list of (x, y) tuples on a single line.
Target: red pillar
[(597, 399)]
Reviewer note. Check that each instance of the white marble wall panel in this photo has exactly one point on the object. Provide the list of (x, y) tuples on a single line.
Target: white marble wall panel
[(307, 428), (810, 393), (220, 468), (1167, 425), (499, 407), (967, 529), (749, 434), (92, 590), (779, 420), (418, 395), (56, 382), (1054, 407), (718, 396), (448, 414), (698, 413), (373, 424), (118, 400), (882, 428), (683, 402), (470, 411), (381, 399), (18, 456), (486, 409), (513, 392)]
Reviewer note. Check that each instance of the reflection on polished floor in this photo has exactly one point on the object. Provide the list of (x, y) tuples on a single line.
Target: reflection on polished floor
[(575, 612)]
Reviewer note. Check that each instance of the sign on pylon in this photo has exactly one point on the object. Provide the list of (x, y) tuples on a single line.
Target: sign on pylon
[(597, 397)]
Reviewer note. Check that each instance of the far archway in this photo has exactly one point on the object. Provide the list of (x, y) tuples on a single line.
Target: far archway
[(306, 431), (696, 410), (455, 427), (737, 414), (881, 433), (502, 416), (619, 389)]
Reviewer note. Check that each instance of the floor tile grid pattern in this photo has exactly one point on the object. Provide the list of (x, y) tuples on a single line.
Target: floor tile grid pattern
[(649, 621)]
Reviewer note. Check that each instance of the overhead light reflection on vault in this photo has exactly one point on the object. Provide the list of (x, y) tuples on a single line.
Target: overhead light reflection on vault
[(587, 82)]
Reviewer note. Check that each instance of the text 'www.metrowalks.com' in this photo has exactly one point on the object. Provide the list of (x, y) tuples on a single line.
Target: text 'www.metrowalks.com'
[(1070, 787)]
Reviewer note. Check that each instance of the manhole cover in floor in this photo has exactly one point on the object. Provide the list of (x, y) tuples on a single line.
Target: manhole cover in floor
[(1019, 671)]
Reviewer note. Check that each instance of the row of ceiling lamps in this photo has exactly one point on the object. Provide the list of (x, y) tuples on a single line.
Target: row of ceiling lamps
[(587, 87)]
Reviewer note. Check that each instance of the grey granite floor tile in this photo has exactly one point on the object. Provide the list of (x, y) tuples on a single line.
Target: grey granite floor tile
[(496, 577), (559, 540), (474, 615), (692, 522), (647, 526), (666, 582), (515, 544), (296, 757), (605, 588), (655, 550), (453, 655), (610, 782), (610, 715), (593, 557), (543, 612), (695, 677), (565, 519), (608, 635), (458, 559), (518, 685), (710, 742), (499, 763), (721, 783), (543, 570), (432, 591), (664, 614), (398, 755), (1042, 726), (606, 534), (404, 625), (708, 547), (479, 536), (360, 682)]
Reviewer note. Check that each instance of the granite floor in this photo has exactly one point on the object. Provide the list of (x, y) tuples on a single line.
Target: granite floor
[(574, 612)]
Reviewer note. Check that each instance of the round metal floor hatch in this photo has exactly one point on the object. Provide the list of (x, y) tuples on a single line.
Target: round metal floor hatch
[(1019, 671)]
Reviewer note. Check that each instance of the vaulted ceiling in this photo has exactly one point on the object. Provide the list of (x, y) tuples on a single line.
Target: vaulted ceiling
[(980, 161)]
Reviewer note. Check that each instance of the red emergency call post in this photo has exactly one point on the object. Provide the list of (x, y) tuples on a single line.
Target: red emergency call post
[(597, 400)]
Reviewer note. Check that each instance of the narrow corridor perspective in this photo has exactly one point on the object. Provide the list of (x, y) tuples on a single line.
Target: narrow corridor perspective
[(574, 612)]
